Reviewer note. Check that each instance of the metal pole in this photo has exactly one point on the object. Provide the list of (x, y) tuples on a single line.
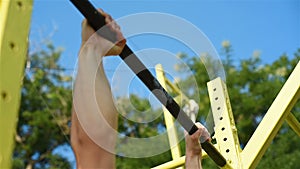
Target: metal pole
[(14, 29)]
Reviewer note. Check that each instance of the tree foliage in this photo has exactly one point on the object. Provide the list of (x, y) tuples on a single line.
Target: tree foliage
[(252, 87), (44, 113), (134, 110)]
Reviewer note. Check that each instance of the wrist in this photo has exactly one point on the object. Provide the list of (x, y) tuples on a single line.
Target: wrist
[(193, 153), (90, 58), (97, 49), (192, 161), (91, 51)]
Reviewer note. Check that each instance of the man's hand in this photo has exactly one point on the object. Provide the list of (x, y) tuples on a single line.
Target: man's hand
[(90, 38), (193, 147)]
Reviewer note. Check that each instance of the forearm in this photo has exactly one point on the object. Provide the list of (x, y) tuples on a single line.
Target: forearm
[(91, 87), (94, 119), (92, 94), (192, 161)]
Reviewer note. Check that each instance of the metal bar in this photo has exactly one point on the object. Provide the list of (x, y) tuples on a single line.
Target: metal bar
[(14, 29), (171, 164), (169, 120), (177, 90), (293, 123), (272, 121), (176, 162), (96, 20)]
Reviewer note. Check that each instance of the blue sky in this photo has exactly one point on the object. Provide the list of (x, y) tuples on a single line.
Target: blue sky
[(272, 27)]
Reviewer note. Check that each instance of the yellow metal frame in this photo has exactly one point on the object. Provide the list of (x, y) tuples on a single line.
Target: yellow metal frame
[(293, 123), (14, 29), (226, 132), (169, 120), (273, 120)]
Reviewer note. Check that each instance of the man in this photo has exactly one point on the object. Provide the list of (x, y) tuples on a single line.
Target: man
[(91, 82)]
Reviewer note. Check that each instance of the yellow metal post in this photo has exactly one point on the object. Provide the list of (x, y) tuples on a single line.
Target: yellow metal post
[(14, 28), (225, 129), (169, 120), (272, 121)]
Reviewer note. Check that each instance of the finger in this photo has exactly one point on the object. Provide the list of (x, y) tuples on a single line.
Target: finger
[(200, 131), (204, 130), (117, 27), (108, 18), (83, 23), (113, 26), (203, 133), (101, 11), (121, 41), (185, 133), (199, 125)]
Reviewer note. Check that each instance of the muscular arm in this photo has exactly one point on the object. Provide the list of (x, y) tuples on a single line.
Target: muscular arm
[(94, 117), (88, 153)]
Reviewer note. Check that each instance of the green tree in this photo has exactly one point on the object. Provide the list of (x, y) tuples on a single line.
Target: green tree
[(133, 110), (44, 113)]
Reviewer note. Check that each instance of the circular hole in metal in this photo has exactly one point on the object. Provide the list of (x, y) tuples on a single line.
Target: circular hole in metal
[(12, 45), (221, 118), (216, 98), (20, 4), (223, 128), (225, 139), (3, 95), (227, 151), (218, 108), (215, 89)]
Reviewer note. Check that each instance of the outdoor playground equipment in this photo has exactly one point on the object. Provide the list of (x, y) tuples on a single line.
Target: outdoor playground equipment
[(226, 132), (15, 14)]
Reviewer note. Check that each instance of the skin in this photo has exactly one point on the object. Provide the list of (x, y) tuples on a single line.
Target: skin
[(91, 73), (193, 152), (88, 154)]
